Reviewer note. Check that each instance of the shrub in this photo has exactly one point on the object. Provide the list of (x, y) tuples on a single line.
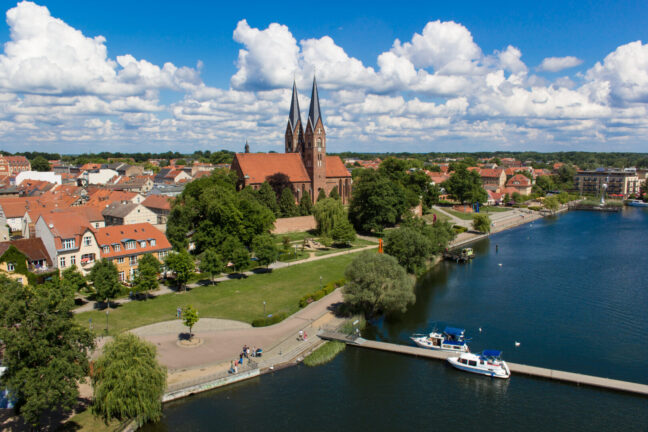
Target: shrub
[(328, 289), (325, 353), (535, 208), (267, 321), (459, 229)]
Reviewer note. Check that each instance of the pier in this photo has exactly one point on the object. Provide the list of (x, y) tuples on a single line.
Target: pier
[(574, 378)]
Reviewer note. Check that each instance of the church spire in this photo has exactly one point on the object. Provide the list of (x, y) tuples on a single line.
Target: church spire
[(247, 146), (295, 116), (314, 113)]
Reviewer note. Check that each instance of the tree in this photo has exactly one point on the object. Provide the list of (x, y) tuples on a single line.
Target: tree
[(182, 264), (128, 382), (287, 206), (465, 185), (189, 318), (545, 183), (321, 195), (73, 279), (551, 203), (328, 212), (105, 280), (268, 197), (343, 232), (211, 263), (377, 284), (40, 164), (377, 202), (334, 193), (305, 204), (44, 350), (278, 182), (265, 249), (180, 162), (240, 257), (410, 247), (148, 269), (481, 223)]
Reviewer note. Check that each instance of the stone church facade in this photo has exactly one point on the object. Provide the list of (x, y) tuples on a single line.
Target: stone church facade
[(304, 162)]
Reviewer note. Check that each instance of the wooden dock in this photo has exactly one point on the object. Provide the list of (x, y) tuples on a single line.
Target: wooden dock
[(574, 378)]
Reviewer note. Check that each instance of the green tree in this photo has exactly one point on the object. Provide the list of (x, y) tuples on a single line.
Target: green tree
[(343, 232), (105, 280), (128, 382), (182, 265), (44, 350), (321, 195), (40, 164), (545, 183), (328, 212), (334, 193), (410, 247), (148, 269), (287, 206), (305, 204), (179, 162), (551, 203), (377, 202), (465, 185), (265, 249), (240, 257), (268, 197), (73, 279), (189, 318), (278, 181), (566, 175), (211, 263), (377, 284), (481, 223)]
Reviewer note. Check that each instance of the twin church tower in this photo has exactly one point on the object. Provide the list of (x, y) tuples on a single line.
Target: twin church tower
[(304, 162)]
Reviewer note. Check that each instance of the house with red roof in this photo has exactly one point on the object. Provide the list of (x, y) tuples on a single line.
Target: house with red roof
[(492, 179), (304, 162), (125, 245), (160, 205), (520, 183)]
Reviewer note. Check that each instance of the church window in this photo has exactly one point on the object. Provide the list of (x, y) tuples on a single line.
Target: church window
[(319, 144)]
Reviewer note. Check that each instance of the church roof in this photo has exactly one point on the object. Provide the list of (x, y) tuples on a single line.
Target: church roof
[(295, 115), (335, 167), (256, 167), (314, 112)]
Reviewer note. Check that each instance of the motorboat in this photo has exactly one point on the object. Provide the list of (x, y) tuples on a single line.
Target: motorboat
[(451, 339), (488, 362), (636, 203)]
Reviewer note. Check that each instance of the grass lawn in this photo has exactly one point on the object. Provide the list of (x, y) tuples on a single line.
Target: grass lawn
[(460, 215), (295, 236), (495, 209), (237, 299), (440, 216), (86, 422), (358, 243)]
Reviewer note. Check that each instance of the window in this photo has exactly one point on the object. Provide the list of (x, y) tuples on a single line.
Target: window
[(121, 276), (106, 249), (163, 254), (11, 266), (143, 243), (62, 262), (97, 225), (68, 244), (130, 244), (152, 242), (319, 144), (87, 240), (87, 258), (73, 260), (120, 260), (472, 363), (117, 247), (133, 260)]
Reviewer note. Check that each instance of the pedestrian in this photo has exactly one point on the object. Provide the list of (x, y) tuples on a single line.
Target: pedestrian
[(178, 312), (305, 336), (235, 368), (300, 335)]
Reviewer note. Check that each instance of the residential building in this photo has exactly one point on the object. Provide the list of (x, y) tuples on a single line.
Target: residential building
[(25, 259), (521, 184), (160, 205), (172, 176), (619, 182), (304, 162), (47, 176), (98, 177), (125, 170), (69, 239), (492, 179), (128, 213), (17, 164), (125, 245)]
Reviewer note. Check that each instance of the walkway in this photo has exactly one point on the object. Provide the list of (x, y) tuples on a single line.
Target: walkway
[(163, 289)]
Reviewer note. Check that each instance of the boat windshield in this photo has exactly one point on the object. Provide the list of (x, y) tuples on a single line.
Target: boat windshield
[(453, 334), (491, 354)]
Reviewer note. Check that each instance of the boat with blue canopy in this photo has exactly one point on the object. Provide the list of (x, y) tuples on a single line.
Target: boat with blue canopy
[(488, 362), (451, 339)]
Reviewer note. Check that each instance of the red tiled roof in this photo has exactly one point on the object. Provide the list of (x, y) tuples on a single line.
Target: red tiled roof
[(490, 173), (105, 197), (118, 234), (66, 226), (157, 202), (201, 174), (518, 180), (335, 167), (32, 248), (90, 166), (259, 166), (17, 160)]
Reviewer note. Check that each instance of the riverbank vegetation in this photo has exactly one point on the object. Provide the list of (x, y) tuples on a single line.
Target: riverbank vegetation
[(324, 353)]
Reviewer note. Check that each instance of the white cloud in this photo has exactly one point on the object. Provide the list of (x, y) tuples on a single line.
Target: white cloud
[(556, 64)]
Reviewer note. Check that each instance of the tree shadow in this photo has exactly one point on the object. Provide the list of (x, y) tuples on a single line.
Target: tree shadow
[(262, 270), (240, 275)]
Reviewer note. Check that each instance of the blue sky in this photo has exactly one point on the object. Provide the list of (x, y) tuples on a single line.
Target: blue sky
[(411, 76)]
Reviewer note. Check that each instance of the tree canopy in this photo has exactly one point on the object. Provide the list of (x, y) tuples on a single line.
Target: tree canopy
[(211, 263), (40, 164), (305, 204), (190, 318), (481, 223), (466, 186), (182, 265), (410, 247), (287, 206), (148, 269), (377, 284), (128, 382), (45, 350), (328, 212), (265, 250), (73, 279), (105, 280)]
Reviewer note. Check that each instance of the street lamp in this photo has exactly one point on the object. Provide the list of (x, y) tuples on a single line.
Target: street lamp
[(264, 303), (320, 282)]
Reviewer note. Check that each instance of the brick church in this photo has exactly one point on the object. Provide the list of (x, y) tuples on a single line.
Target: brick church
[(304, 162)]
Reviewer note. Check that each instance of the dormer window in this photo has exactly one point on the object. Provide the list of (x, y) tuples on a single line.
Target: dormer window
[(152, 242), (87, 240), (143, 243), (68, 244), (106, 249), (131, 244)]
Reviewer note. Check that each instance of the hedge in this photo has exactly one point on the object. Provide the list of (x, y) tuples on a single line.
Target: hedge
[(328, 289), (274, 319), (459, 229)]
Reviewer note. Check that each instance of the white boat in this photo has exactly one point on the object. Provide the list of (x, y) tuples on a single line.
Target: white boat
[(488, 362), (452, 339), (637, 203)]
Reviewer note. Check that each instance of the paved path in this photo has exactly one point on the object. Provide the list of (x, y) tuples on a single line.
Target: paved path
[(163, 289)]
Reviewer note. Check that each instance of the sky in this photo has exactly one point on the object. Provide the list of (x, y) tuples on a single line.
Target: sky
[(79, 76)]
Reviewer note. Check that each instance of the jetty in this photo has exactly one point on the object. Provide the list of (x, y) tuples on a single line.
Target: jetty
[(570, 377)]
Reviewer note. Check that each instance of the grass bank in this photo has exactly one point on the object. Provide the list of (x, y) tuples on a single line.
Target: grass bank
[(324, 353), (236, 299), (85, 421)]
